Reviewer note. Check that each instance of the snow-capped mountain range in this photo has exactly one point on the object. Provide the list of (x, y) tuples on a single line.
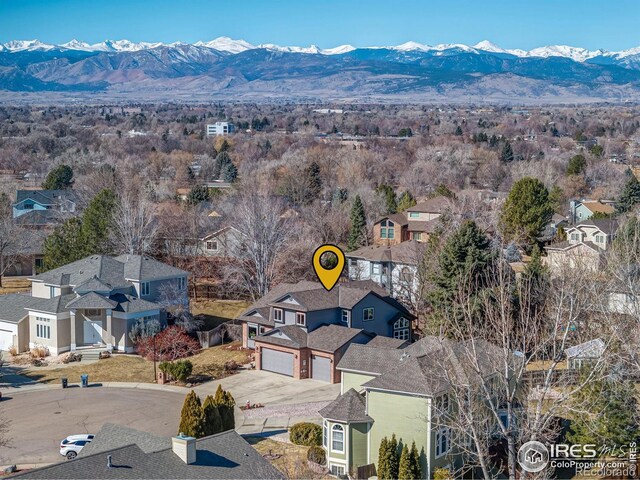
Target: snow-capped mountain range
[(231, 46)]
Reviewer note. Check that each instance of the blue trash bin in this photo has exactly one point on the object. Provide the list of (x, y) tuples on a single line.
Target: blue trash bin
[(84, 380)]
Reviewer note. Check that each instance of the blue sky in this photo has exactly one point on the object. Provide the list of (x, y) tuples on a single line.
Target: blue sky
[(526, 24)]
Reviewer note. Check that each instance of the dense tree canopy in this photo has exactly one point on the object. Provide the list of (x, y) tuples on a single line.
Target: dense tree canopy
[(526, 211)]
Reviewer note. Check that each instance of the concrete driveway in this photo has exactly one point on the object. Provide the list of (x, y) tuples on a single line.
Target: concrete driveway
[(40, 419)]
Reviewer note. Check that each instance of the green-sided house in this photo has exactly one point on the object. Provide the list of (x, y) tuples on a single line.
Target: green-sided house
[(385, 391)]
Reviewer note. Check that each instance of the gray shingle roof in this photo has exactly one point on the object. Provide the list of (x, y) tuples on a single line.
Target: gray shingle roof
[(13, 306), (408, 253), (327, 338), (131, 304), (370, 359), (47, 197), (290, 336), (52, 305), (91, 300), (144, 268), (109, 270), (94, 284), (226, 456), (349, 408), (380, 341), (433, 205)]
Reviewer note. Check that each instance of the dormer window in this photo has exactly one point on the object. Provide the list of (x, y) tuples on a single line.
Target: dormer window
[(301, 319), (278, 315), (145, 288), (599, 238), (387, 229)]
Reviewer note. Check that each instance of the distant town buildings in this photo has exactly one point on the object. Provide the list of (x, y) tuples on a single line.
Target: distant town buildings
[(220, 128)]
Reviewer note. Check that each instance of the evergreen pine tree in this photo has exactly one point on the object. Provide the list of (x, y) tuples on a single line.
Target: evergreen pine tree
[(383, 460), (406, 200), (198, 194), (416, 469), (97, 222), (526, 212), (213, 420), (630, 196), (192, 420), (59, 178), (389, 196), (394, 459), (506, 156), (314, 181), (64, 245), (358, 230), (404, 468), (230, 173), (222, 160), (225, 403), (577, 165)]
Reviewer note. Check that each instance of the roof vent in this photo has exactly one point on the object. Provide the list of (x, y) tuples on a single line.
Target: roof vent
[(109, 463), (404, 356)]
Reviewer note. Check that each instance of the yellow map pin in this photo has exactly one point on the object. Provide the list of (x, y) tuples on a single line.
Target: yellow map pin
[(328, 276)]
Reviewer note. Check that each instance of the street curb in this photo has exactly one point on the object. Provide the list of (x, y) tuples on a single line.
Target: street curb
[(9, 391)]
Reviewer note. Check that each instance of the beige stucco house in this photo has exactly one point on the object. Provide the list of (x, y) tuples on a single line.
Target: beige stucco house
[(91, 302)]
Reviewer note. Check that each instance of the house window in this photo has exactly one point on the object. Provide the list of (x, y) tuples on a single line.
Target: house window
[(144, 288), (599, 238), (253, 331), (401, 323), (337, 439), (92, 312), (278, 315), (387, 229), (337, 470), (442, 441), (367, 314), (401, 334), (28, 206), (212, 245), (346, 315), (325, 435), (417, 236), (39, 262), (52, 292), (301, 318), (414, 214), (375, 269), (181, 283), (43, 327), (574, 237)]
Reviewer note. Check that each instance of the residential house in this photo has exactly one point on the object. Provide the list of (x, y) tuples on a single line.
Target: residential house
[(584, 354), (585, 245), (118, 452), (417, 223), (302, 330), (401, 391), (91, 302), (44, 207), (580, 210), (394, 267), (225, 242), (24, 256)]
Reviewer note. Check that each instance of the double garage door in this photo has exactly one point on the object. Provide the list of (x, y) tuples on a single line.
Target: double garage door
[(7, 332), (276, 361)]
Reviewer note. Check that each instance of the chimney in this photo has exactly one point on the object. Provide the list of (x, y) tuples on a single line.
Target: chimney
[(184, 447)]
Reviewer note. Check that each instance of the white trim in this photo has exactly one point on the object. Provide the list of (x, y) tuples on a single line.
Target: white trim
[(350, 370), (413, 394)]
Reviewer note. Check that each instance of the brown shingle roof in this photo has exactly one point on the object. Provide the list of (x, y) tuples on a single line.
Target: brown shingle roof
[(433, 205)]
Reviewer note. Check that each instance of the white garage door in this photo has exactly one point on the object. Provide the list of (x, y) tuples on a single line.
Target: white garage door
[(278, 362), (6, 339), (320, 368)]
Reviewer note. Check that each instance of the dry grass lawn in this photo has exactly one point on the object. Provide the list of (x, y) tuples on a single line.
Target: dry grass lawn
[(207, 364), (293, 460), (218, 311), (14, 285)]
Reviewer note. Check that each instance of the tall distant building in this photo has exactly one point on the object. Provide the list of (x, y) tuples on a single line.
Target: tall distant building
[(220, 128)]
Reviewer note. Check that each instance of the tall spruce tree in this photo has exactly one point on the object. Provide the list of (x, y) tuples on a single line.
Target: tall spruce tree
[(358, 230), (97, 223), (192, 420), (383, 471), (225, 403), (314, 181), (416, 469), (406, 200), (630, 196), (64, 245), (213, 420), (230, 173), (526, 212), (59, 178), (394, 458), (506, 156), (404, 468)]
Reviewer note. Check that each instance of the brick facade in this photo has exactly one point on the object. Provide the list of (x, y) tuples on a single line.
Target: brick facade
[(302, 365)]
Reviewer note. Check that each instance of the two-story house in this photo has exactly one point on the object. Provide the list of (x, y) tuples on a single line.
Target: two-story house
[(394, 267), (580, 210), (91, 302), (416, 223), (585, 245), (401, 391), (302, 330), (38, 208)]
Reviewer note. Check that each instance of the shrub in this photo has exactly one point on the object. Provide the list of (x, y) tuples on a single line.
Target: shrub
[(317, 455), (172, 343), (71, 357), (180, 369), (442, 474), (307, 434), (231, 366), (39, 352), (13, 351)]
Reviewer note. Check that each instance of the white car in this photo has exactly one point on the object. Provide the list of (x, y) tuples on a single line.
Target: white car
[(71, 446)]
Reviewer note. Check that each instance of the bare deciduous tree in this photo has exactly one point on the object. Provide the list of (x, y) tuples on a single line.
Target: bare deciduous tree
[(135, 223)]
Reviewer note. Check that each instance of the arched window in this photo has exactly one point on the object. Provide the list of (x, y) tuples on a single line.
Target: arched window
[(387, 229), (337, 438)]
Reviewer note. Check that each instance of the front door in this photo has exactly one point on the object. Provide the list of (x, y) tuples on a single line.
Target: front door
[(92, 332)]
